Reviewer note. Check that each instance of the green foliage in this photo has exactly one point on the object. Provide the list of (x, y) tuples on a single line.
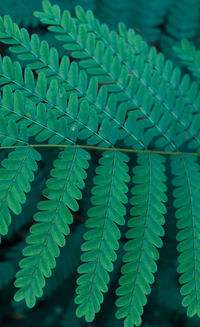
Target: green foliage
[(15, 176), (62, 191), (109, 92), (190, 58), (187, 194), (129, 77), (103, 235), (144, 237)]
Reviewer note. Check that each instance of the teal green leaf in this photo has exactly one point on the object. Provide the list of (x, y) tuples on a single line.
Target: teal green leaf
[(15, 176), (187, 194), (53, 220), (101, 240), (144, 237)]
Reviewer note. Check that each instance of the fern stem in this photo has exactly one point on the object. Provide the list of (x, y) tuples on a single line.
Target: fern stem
[(91, 147)]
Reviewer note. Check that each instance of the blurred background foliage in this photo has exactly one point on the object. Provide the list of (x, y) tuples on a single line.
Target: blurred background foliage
[(163, 24)]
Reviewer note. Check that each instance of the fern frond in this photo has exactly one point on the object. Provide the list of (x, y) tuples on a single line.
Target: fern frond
[(152, 63), (11, 74), (54, 105), (111, 92), (16, 176), (181, 86), (38, 54), (190, 58), (56, 98), (35, 44), (145, 102), (62, 192), (101, 241), (67, 75), (187, 193), (194, 137), (144, 237), (73, 81), (66, 263), (44, 124), (40, 122), (165, 68), (140, 85), (83, 46)]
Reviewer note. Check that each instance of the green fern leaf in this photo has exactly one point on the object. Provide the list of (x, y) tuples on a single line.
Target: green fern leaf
[(41, 122), (11, 134), (15, 177), (186, 182), (137, 94), (30, 207), (144, 236), (128, 76), (102, 238), (111, 90), (74, 82), (190, 58), (54, 120), (62, 192), (165, 68)]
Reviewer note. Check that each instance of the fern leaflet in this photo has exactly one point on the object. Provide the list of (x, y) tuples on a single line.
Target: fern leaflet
[(16, 176), (62, 192), (144, 236), (190, 58), (187, 195), (101, 241)]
